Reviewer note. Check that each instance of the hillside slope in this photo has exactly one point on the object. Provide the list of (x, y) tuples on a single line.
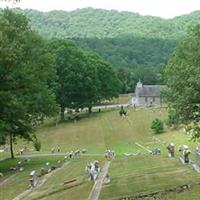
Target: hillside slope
[(123, 38), (101, 23)]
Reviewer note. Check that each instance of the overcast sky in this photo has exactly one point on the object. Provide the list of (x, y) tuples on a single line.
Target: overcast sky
[(162, 8)]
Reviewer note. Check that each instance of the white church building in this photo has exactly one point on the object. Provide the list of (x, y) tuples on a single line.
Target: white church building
[(147, 95)]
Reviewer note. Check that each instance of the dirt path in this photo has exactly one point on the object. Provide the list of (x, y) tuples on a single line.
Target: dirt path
[(95, 192), (52, 154)]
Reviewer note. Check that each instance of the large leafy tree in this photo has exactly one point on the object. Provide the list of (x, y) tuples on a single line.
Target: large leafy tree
[(83, 79), (25, 74), (110, 85), (77, 83), (183, 79)]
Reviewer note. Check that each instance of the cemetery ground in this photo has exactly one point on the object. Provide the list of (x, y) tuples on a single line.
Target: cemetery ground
[(133, 171)]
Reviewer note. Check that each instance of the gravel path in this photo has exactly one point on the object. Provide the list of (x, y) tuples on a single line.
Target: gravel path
[(95, 192)]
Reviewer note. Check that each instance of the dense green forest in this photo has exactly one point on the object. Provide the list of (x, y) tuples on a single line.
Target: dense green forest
[(98, 23), (129, 51), (136, 45)]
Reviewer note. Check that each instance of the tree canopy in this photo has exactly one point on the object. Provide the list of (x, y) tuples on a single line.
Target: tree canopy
[(25, 72), (83, 78), (100, 23), (183, 79), (125, 39)]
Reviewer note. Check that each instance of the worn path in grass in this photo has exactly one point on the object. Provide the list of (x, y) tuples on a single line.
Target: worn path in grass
[(40, 183), (50, 154), (95, 192)]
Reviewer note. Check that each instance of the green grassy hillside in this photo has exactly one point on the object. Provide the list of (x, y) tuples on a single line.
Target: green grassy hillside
[(130, 175), (101, 131)]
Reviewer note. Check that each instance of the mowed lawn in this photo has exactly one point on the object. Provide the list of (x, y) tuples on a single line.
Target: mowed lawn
[(144, 174), (101, 131), (14, 183), (106, 130), (55, 189)]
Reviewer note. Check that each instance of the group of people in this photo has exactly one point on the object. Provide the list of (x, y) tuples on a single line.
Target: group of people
[(92, 170)]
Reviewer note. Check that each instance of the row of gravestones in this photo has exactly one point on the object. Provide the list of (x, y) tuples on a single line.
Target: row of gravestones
[(75, 153), (21, 151), (184, 156), (92, 170), (183, 151), (34, 177), (19, 167), (58, 149)]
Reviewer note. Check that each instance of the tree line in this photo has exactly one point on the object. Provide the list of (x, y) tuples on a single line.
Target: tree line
[(100, 23), (134, 58), (183, 79), (39, 78), (141, 45)]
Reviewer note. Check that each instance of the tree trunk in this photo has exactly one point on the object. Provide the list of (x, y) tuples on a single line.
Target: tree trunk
[(90, 109), (11, 146), (62, 113)]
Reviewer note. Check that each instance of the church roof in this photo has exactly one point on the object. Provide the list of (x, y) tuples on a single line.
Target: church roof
[(149, 90)]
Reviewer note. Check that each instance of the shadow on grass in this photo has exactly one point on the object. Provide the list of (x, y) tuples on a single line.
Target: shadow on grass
[(51, 122)]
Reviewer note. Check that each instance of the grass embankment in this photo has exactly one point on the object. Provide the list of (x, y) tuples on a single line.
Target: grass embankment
[(98, 132), (145, 174), (54, 188), (14, 183), (101, 131), (129, 175)]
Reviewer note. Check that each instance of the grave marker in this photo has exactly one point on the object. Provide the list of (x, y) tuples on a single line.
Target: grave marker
[(33, 179)]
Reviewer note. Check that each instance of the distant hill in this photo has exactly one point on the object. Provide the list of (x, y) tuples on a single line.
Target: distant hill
[(99, 23), (125, 39)]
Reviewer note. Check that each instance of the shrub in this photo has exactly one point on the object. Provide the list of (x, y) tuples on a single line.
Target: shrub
[(37, 145), (173, 119), (157, 126)]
